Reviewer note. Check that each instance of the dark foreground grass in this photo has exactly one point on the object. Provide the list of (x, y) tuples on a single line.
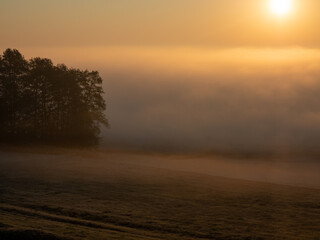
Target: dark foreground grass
[(27, 235), (68, 196)]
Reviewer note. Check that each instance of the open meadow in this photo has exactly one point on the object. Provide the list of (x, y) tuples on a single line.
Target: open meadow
[(101, 195)]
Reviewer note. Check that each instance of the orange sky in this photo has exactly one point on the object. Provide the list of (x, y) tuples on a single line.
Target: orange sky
[(185, 73), (214, 23)]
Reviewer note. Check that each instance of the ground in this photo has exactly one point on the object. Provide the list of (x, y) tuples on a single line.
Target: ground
[(100, 195)]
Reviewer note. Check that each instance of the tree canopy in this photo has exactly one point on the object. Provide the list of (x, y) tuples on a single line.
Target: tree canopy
[(40, 101)]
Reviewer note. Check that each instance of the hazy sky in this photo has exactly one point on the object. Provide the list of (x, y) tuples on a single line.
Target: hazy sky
[(186, 73), (216, 23)]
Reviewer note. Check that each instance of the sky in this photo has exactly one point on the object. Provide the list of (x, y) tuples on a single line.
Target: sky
[(214, 23), (186, 74)]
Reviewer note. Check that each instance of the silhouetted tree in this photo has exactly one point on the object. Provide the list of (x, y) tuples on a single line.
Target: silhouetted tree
[(13, 72), (43, 102)]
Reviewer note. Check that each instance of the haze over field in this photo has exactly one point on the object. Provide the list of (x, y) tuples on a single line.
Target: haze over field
[(187, 74), (202, 99), (160, 119), (79, 194)]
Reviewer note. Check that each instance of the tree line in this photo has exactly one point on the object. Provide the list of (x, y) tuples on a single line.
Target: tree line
[(43, 102)]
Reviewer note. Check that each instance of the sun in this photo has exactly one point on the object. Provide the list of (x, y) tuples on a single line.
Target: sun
[(280, 7)]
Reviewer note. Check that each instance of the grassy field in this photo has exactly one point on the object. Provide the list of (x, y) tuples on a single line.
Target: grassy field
[(79, 195)]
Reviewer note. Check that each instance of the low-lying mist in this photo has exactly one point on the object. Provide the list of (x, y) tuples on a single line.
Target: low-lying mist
[(206, 99)]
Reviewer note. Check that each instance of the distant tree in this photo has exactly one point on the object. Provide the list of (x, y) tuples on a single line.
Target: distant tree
[(13, 72), (43, 102)]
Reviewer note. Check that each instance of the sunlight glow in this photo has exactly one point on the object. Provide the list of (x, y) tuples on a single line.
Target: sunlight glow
[(280, 7)]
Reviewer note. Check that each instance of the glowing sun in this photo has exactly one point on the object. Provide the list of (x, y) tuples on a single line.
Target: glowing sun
[(280, 7)]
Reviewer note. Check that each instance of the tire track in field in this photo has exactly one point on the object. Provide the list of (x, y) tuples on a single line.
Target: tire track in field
[(98, 225)]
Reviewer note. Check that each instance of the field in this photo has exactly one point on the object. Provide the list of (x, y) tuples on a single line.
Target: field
[(101, 195)]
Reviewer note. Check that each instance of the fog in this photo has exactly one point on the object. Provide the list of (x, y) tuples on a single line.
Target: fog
[(204, 99), (57, 164), (240, 99)]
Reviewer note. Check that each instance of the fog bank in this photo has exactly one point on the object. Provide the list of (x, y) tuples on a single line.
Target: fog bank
[(190, 99)]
